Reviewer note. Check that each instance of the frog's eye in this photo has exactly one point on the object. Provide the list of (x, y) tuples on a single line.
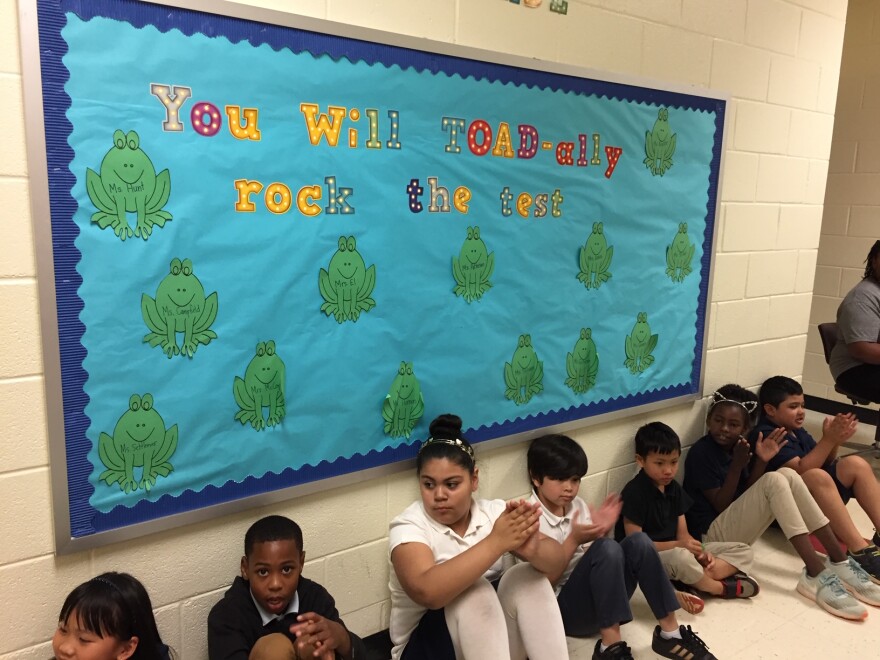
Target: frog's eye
[(528, 340), (588, 332), (134, 403), (583, 333), (133, 140), (402, 368), (664, 114), (470, 232), (476, 233), (261, 349), (684, 227), (409, 370), (351, 244), (599, 228), (270, 347), (187, 267), (341, 244), (595, 227), (147, 402), (175, 266), (119, 140), (522, 341)]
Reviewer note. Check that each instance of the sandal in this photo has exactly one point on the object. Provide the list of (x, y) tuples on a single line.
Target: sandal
[(690, 603)]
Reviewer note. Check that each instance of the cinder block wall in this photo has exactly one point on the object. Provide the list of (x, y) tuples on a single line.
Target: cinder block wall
[(778, 59), (851, 219)]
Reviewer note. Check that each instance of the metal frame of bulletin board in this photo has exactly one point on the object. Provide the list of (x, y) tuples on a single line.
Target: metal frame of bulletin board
[(271, 248)]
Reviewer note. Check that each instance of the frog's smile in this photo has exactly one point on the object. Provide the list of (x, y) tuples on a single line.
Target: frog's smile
[(137, 178), (475, 259), (350, 275), (144, 439), (266, 382), (183, 304)]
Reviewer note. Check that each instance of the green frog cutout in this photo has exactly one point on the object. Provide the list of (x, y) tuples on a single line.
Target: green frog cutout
[(180, 306), (473, 267), (404, 403), (524, 374), (639, 345), (582, 364), (679, 255), (128, 183), (595, 258), (262, 387), (347, 284), (659, 144), (139, 440)]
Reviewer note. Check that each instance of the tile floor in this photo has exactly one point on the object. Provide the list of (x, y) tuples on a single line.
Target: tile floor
[(779, 622)]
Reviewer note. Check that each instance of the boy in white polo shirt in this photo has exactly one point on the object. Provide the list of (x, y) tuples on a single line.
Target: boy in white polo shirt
[(594, 591)]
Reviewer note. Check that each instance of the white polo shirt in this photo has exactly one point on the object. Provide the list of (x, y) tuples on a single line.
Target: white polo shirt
[(559, 527), (416, 526)]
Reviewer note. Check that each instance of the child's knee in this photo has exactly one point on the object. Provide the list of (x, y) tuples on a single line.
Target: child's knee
[(682, 565), (818, 479), (276, 646), (607, 552), (478, 600), (638, 544)]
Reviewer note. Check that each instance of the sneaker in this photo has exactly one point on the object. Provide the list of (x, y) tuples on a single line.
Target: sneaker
[(739, 585), (689, 646), (856, 581), (617, 651), (876, 538), (869, 559), (829, 593)]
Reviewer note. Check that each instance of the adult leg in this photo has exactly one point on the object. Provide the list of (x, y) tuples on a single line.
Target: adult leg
[(596, 595), (534, 624), (824, 490), (476, 623)]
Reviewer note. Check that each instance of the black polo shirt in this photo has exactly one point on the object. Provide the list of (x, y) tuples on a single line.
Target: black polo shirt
[(654, 511), (706, 468)]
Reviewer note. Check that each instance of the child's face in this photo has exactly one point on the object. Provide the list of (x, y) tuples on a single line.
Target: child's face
[(727, 423), (790, 413), (556, 494), (273, 569), (74, 642), (660, 468), (446, 488)]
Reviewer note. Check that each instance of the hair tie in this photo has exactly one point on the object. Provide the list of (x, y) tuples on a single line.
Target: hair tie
[(748, 406), (104, 580), (455, 442)]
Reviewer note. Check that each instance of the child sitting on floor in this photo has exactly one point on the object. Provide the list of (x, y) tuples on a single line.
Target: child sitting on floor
[(654, 503), (271, 611), (831, 481), (735, 500), (594, 591), (110, 617)]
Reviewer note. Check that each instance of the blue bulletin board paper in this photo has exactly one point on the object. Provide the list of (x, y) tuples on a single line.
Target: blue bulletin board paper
[(381, 234)]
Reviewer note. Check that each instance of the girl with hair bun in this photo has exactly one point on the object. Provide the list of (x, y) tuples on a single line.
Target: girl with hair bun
[(455, 592)]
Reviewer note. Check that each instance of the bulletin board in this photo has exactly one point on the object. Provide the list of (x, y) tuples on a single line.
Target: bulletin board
[(271, 249)]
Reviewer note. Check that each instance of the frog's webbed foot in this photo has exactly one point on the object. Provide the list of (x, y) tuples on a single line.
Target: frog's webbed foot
[(646, 362), (121, 228), (257, 422), (188, 348), (276, 418), (128, 485), (170, 349), (147, 482)]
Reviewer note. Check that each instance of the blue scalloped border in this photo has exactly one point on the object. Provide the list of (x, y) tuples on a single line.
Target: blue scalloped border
[(84, 519)]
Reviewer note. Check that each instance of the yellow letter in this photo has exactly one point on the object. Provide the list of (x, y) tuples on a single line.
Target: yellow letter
[(247, 132), (460, 199), (304, 200), (318, 126), (502, 142), (278, 198), (245, 188), (523, 202)]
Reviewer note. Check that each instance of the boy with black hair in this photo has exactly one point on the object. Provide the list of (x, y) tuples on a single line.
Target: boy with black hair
[(832, 481), (655, 503), (271, 612), (594, 590)]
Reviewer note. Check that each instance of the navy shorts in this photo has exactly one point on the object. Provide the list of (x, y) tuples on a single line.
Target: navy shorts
[(430, 640), (846, 494)]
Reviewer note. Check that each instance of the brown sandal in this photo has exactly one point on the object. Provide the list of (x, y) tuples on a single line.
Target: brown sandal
[(690, 603)]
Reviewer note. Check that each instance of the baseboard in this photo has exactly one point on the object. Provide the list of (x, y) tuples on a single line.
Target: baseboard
[(829, 407)]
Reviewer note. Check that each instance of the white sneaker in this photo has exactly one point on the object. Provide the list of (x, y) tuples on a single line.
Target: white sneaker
[(829, 593), (856, 581)]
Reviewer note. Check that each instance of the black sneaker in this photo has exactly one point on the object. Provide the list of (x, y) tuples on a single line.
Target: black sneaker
[(869, 559), (876, 538), (689, 646), (617, 651)]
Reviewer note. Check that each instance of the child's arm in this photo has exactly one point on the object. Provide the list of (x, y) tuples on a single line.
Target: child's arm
[(835, 431), (721, 498), (435, 585), (631, 528), (318, 637), (765, 450)]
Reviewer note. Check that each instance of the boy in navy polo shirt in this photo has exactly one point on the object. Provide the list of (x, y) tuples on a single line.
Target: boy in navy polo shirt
[(655, 503), (832, 481)]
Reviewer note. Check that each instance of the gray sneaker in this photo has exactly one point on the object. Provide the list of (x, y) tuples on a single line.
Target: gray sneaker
[(856, 581), (829, 593)]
